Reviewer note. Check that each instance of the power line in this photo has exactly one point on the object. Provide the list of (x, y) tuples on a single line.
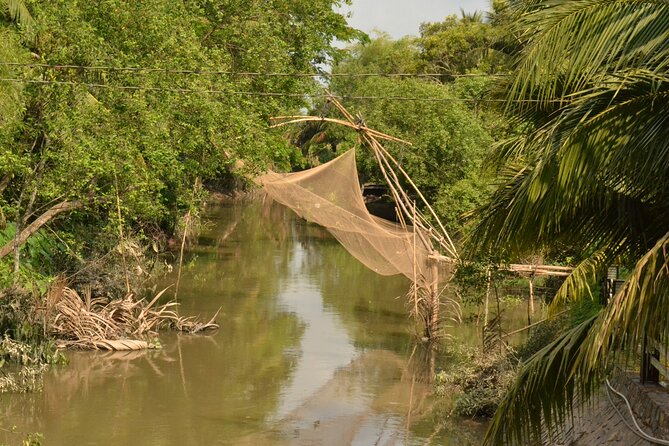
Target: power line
[(234, 73), (259, 93)]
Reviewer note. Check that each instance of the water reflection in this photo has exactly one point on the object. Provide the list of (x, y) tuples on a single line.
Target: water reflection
[(313, 349)]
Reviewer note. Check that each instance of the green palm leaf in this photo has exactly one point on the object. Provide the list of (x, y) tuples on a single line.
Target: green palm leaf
[(617, 34), (590, 169), (17, 11)]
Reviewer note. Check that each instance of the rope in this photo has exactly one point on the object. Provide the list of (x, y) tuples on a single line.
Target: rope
[(638, 431)]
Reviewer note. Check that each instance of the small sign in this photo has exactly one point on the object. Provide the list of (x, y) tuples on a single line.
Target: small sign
[(612, 272)]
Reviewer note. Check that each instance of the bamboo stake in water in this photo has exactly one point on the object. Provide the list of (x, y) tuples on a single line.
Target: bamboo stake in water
[(530, 303), (181, 255)]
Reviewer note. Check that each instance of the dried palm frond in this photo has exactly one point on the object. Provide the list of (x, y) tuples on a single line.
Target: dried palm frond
[(94, 323)]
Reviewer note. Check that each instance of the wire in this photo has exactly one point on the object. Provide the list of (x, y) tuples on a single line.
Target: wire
[(266, 94), (144, 88), (638, 430), (232, 73)]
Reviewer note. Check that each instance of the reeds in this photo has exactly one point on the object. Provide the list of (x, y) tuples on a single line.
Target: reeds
[(122, 324)]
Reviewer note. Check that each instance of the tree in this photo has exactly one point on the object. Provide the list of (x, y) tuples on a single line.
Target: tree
[(591, 170), (448, 141), (460, 45), (141, 132), (450, 133)]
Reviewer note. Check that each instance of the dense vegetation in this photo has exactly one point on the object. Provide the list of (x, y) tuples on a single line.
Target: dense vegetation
[(107, 120), (430, 91)]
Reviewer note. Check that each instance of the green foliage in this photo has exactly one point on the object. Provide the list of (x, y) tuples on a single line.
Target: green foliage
[(452, 128), (128, 140), (448, 142), (459, 46), (540, 336), (34, 439), (478, 379), (41, 254)]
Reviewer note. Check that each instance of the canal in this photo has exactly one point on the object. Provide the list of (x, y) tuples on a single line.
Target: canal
[(313, 349)]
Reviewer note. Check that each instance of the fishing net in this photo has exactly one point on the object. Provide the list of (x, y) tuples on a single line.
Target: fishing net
[(330, 196)]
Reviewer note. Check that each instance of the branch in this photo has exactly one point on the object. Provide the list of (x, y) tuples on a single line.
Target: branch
[(33, 227), (5, 181)]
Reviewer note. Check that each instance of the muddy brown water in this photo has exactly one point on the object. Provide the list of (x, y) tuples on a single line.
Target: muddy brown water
[(313, 349)]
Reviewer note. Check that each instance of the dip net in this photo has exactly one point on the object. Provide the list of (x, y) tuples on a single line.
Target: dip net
[(330, 195)]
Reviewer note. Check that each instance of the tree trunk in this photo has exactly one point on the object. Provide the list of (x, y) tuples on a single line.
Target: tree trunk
[(5, 181), (38, 223)]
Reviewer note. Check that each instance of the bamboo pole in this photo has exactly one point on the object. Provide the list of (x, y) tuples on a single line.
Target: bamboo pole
[(352, 125), (451, 249), (332, 99), (400, 200), (486, 307), (530, 303), (120, 231), (434, 294), (415, 275)]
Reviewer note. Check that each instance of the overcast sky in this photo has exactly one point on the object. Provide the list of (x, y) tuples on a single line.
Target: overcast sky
[(402, 17)]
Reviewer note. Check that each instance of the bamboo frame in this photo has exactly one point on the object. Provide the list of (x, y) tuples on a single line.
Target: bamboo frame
[(392, 170)]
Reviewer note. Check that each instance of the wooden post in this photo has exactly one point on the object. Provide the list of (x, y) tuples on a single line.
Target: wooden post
[(486, 304), (649, 374), (530, 303)]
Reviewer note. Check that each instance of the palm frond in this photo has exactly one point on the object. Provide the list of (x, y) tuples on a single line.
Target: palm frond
[(17, 11), (590, 170), (577, 284), (640, 310), (584, 173), (543, 393), (619, 33)]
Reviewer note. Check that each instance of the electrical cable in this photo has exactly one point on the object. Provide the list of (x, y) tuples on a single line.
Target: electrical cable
[(267, 94), (232, 73), (638, 430)]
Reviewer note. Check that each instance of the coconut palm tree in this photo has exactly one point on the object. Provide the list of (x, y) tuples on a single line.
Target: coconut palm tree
[(590, 88), (16, 11)]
